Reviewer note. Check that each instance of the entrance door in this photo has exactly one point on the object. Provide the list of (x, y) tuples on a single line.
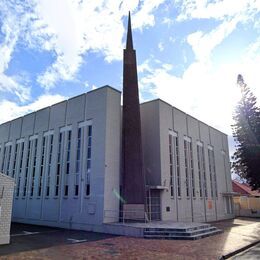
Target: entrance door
[(154, 205)]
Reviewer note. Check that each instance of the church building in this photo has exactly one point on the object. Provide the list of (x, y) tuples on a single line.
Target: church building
[(87, 162)]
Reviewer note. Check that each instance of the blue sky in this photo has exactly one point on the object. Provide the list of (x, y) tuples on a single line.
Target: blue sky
[(189, 52)]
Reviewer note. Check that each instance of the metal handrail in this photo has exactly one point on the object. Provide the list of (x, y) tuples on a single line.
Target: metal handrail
[(120, 215)]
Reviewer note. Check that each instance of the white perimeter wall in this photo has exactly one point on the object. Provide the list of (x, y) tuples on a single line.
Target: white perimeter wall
[(6, 203)]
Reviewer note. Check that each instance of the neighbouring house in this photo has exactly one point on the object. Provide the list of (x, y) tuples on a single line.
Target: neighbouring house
[(6, 203), (246, 200)]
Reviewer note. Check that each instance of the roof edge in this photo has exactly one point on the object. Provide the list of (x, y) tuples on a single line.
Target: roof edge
[(160, 100)]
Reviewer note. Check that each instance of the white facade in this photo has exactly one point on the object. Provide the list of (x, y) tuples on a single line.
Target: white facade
[(186, 165), (6, 203), (65, 160), (66, 163)]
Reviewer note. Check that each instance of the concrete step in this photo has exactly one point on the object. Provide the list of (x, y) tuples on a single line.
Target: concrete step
[(200, 227), (184, 237), (182, 233)]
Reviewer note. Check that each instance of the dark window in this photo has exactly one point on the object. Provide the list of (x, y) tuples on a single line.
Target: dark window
[(76, 190), (66, 190), (87, 189)]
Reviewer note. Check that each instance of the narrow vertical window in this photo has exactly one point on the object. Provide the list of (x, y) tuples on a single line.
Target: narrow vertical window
[(223, 153), (200, 167), (205, 186), (78, 150), (89, 150), (186, 168), (178, 166), (15, 159), (18, 187), (212, 172), (174, 163), (27, 169), (68, 153), (42, 167), (67, 164), (192, 171), (9, 153), (58, 170), (49, 156), (171, 165), (214, 175), (34, 166), (4, 160), (5, 167), (78, 164), (189, 168)]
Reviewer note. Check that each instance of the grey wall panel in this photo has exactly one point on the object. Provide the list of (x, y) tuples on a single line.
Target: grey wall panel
[(151, 143), (28, 125), (58, 115), (4, 132), (96, 105), (75, 109), (42, 120), (166, 124), (198, 204), (180, 124), (227, 160), (15, 129), (193, 128), (113, 152)]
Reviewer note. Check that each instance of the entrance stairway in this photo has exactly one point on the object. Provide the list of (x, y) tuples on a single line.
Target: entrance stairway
[(181, 233)]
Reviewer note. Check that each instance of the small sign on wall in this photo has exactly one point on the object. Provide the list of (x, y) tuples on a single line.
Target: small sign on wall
[(209, 204)]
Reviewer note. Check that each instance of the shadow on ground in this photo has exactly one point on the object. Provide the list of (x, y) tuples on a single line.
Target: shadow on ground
[(29, 237)]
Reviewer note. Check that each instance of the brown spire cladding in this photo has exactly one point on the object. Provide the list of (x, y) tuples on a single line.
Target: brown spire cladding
[(132, 161)]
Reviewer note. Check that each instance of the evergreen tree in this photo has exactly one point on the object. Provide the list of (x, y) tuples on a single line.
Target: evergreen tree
[(246, 132)]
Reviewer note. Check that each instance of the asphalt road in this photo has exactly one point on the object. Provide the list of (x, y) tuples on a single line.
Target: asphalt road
[(29, 237), (252, 253)]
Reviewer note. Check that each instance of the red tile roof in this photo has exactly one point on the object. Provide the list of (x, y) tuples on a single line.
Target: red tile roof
[(244, 189)]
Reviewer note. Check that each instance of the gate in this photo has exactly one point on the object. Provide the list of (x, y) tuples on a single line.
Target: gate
[(153, 200)]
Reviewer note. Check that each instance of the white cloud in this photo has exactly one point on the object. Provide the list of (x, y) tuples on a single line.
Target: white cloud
[(11, 29), (70, 28), (145, 66), (144, 17), (11, 84), (203, 44), (168, 21), (207, 92), (160, 46), (12, 110), (219, 9), (229, 12)]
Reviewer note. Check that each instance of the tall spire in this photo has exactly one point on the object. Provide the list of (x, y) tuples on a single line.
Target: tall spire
[(133, 182), (129, 39)]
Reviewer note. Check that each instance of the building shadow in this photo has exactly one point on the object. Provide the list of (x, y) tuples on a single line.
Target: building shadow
[(30, 237)]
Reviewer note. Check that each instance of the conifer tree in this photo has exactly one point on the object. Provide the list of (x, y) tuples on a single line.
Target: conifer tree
[(246, 132)]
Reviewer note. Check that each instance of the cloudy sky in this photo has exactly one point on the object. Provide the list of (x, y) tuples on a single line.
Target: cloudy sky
[(189, 52)]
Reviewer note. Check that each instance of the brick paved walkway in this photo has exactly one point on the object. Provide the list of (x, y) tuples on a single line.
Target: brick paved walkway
[(238, 233)]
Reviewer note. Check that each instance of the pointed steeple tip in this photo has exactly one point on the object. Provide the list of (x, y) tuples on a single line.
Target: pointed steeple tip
[(129, 39)]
